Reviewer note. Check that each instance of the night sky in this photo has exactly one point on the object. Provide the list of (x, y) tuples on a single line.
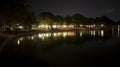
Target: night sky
[(89, 8)]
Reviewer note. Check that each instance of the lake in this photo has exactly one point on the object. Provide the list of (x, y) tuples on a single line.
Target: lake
[(66, 49)]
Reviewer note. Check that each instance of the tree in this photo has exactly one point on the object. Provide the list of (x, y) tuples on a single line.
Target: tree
[(29, 20), (78, 19), (90, 21), (59, 20), (12, 12), (48, 18), (68, 20), (118, 23), (104, 20)]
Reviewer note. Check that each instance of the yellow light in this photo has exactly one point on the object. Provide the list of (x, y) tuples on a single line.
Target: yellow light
[(118, 32), (17, 24), (94, 25), (94, 33), (32, 38), (40, 26), (20, 27), (99, 33), (102, 33), (71, 26), (18, 42), (47, 34), (81, 34), (59, 34), (70, 33), (46, 26), (64, 34), (54, 26), (54, 34), (118, 29), (102, 25), (64, 25), (81, 25), (40, 35)]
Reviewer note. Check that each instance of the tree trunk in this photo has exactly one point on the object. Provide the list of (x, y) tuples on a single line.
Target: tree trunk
[(3, 23)]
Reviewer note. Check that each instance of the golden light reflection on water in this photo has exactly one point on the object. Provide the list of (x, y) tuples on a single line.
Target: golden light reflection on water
[(29, 37), (71, 34), (56, 34), (44, 36), (81, 33), (102, 33), (93, 33), (32, 37), (65, 34), (118, 32), (40, 35), (18, 42)]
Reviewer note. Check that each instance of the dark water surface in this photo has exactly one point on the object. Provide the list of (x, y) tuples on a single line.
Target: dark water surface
[(65, 49)]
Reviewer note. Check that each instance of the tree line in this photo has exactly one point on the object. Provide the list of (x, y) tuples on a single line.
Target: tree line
[(16, 12), (77, 20)]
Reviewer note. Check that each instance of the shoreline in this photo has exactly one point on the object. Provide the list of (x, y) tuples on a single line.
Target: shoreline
[(15, 34)]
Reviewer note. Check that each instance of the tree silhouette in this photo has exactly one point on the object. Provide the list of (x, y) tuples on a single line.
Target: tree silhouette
[(78, 19), (59, 20), (29, 20), (68, 20), (48, 18), (12, 12)]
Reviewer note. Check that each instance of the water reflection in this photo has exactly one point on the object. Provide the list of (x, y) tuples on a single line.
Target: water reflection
[(93, 33), (18, 42), (118, 31), (61, 46), (56, 34), (81, 34), (102, 33), (32, 37)]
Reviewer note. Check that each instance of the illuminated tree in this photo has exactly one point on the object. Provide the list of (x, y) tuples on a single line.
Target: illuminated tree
[(47, 18)]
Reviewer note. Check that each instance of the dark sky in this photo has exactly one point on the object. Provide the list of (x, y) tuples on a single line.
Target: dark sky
[(89, 8)]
